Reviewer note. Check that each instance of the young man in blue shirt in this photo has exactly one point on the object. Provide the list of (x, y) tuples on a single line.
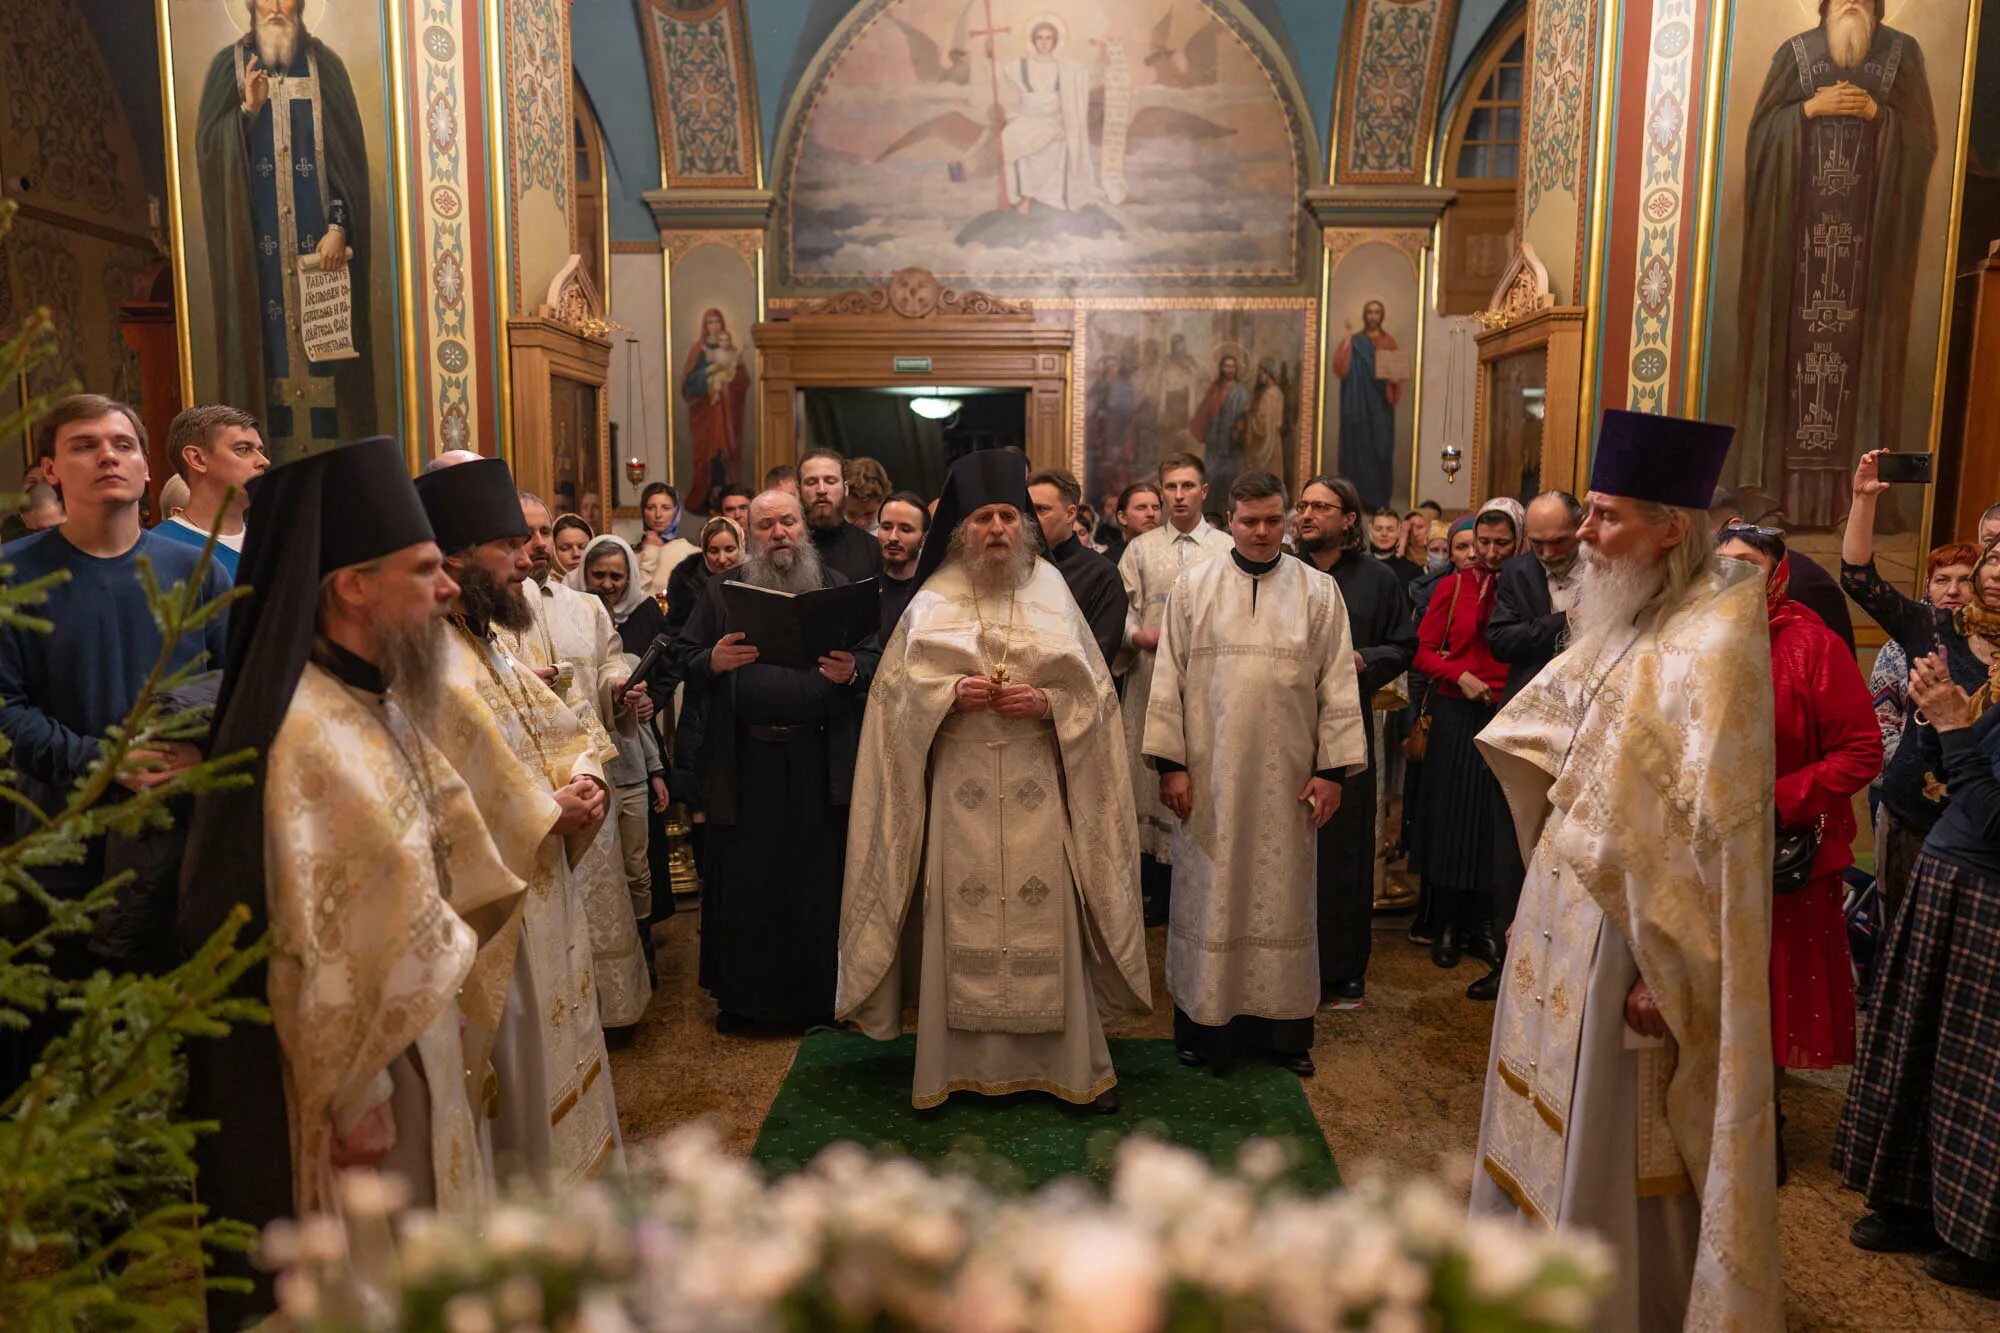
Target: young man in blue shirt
[(216, 448), (61, 691)]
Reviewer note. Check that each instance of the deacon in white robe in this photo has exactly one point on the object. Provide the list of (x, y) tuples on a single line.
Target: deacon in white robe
[(537, 775), (991, 864), (573, 646), (1255, 720), (1629, 1087), (1150, 564)]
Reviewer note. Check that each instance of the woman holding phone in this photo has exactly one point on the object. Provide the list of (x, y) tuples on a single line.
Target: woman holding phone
[(1967, 638)]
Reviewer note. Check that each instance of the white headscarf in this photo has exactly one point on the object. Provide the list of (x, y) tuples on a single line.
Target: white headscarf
[(634, 592), (1502, 504)]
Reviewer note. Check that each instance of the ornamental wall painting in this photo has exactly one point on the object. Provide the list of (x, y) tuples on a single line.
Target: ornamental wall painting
[(1374, 300), (714, 367), (1028, 146), (281, 133), (1230, 381), (1832, 239)]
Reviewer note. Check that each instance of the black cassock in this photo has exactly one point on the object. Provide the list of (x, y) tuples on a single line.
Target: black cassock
[(775, 772), (1385, 634), (1099, 593)]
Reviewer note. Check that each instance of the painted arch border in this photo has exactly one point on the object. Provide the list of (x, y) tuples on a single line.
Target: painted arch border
[(1264, 47)]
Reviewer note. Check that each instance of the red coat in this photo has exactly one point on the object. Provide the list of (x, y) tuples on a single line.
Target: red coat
[(1829, 745), (1468, 610)]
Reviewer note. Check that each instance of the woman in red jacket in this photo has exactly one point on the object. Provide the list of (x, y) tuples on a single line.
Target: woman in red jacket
[(1829, 748), (1458, 803)]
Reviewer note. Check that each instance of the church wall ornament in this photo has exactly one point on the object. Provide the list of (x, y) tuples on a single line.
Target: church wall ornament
[(1135, 152), (1839, 348), (1555, 157), (704, 93), (251, 201), (1372, 389), (1395, 52), (538, 147), (1150, 379)]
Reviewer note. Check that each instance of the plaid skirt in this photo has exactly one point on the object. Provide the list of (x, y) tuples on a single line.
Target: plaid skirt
[(1921, 1126)]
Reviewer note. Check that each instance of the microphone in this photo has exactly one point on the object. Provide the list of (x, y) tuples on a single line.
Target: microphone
[(647, 661)]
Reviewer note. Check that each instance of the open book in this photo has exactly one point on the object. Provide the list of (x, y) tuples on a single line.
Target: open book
[(797, 629)]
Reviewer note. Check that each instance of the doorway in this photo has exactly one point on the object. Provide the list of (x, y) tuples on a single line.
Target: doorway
[(915, 434)]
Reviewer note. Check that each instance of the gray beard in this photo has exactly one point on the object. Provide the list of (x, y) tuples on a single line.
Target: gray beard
[(408, 657), (1610, 594), (1009, 569), (1849, 34), (277, 43), (802, 573)]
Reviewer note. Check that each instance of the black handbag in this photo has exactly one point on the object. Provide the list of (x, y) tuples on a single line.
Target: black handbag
[(1793, 854)]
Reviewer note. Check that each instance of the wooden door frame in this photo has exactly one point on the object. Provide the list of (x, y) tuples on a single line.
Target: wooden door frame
[(971, 339)]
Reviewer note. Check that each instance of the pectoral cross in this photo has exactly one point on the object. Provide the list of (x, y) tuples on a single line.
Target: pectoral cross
[(1000, 674), (989, 32)]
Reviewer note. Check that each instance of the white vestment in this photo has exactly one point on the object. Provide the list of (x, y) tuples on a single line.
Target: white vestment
[(1638, 767), (1046, 140), (380, 881), (1017, 837), (573, 630), (1150, 564), (1254, 691), (514, 742)]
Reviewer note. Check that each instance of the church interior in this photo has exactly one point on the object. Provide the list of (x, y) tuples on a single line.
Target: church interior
[(1421, 244)]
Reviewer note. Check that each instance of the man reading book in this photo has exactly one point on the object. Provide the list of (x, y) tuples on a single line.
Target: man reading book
[(775, 772)]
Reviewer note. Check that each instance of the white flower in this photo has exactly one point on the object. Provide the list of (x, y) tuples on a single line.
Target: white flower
[(468, 1312), (1263, 1160), (511, 1231), (1558, 1306), (1105, 1278), (1502, 1258), (321, 1239)]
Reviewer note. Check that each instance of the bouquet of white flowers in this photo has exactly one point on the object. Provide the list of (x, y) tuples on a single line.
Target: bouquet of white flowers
[(696, 1241)]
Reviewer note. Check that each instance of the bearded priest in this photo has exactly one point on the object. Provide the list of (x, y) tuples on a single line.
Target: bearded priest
[(992, 857), (361, 850), (1254, 722), (1629, 1088), (537, 772)]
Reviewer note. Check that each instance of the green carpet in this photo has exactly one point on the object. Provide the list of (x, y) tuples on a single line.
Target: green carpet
[(844, 1086)]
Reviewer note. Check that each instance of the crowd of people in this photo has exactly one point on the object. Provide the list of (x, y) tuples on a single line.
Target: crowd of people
[(1616, 743)]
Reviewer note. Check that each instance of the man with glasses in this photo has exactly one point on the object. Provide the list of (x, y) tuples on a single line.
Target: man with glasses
[(1385, 639)]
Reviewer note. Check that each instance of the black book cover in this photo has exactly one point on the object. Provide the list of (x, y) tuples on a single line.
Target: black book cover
[(797, 629)]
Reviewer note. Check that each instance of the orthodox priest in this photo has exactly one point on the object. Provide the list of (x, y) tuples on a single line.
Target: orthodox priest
[(537, 774), (573, 646), (362, 852), (1629, 1089), (1148, 568), (1842, 141), (991, 862), (776, 770), (1254, 722), (284, 184)]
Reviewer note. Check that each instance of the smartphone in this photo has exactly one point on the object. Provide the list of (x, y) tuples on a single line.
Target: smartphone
[(1904, 468)]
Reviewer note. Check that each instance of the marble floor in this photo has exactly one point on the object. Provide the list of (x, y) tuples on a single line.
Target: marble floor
[(1398, 1091)]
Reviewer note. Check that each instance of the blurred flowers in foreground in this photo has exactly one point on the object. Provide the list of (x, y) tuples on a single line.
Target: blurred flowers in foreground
[(694, 1239)]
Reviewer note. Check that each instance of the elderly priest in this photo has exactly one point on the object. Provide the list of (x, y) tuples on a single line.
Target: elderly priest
[(362, 851), (1629, 1088), (1254, 722), (992, 851), (537, 771)]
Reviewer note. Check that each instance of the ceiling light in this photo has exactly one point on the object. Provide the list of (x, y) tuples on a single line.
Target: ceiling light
[(935, 409)]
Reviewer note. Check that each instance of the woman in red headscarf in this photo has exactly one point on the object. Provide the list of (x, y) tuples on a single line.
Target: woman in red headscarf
[(1829, 748)]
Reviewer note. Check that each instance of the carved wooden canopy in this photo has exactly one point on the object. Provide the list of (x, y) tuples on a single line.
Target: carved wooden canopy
[(1523, 290), (915, 293)]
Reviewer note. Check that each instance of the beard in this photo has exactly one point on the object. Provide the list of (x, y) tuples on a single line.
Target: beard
[(786, 569), (488, 601), (824, 515), (1849, 34), (1007, 567), (408, 656), (1610, 594), (277, 42)]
